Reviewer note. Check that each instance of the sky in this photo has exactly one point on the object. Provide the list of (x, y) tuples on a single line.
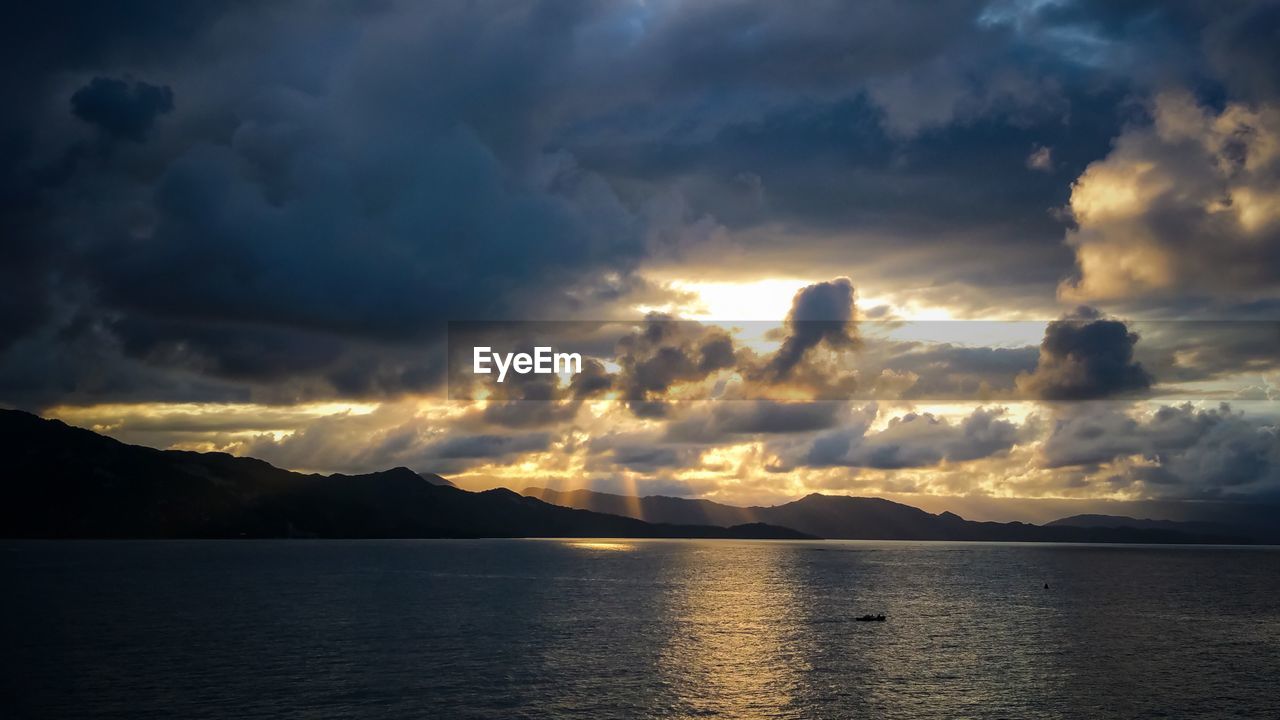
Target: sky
[(962, 254)]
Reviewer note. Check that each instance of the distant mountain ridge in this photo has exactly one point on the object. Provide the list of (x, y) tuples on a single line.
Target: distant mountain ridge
[(62, 481), (864, 518), (1254, 522)]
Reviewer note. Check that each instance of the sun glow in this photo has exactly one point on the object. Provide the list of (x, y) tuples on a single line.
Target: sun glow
[(768, 299), (601, 545), (246, 417)]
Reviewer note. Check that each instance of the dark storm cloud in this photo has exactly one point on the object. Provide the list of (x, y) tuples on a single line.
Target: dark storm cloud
[(875, 205), (665, 352), (42, 44), (1192, 42), (293, 364), (592, 381), (120, 109), (1189, 351), (749, 417), (371, 209), (820, 313), (639, 452), (945, 370), (49, 40), (648, 459), (926, 153), (1190, 451), (487, 446), (82, 363), (1084, 357), (462, 240), (1242, 49), (913, 440), (724, 420), (525, 401)]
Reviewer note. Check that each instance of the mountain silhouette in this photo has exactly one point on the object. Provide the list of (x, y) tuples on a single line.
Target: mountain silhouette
[(864, 518), (63, 481), (1258, 522)]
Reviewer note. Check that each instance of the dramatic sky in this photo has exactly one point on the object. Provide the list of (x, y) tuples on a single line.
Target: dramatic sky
[(1002, 249)]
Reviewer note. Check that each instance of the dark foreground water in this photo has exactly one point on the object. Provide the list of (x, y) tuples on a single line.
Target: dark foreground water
[(565, 629)]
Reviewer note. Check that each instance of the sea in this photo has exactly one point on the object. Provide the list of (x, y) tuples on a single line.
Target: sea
[(613, 628)]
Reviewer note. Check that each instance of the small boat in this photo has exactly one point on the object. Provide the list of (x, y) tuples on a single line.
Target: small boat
[(869, 618)]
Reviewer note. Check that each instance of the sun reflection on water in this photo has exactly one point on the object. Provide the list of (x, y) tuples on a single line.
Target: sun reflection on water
[(731, 652), (601, 545)]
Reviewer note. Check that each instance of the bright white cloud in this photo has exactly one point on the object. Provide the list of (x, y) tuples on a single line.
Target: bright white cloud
[(1189, 204)]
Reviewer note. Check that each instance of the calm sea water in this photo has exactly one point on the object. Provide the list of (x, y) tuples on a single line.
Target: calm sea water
[(611, 628)]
